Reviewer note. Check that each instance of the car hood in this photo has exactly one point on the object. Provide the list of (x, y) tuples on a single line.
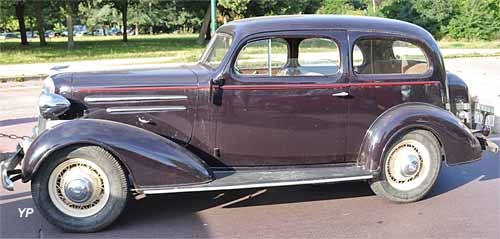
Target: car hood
[(186, 75)]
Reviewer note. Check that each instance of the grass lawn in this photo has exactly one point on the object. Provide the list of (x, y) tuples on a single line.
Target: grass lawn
[(469, 44), (178, 48)]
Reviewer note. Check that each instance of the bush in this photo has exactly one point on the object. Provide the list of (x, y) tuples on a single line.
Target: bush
[(433, 15), (477, 19)]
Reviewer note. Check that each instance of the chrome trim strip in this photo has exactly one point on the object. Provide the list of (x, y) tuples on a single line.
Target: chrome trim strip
[(119, 98), (143, 109), (204, 187)]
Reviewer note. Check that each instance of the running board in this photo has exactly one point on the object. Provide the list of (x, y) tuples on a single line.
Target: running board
[(228, 180)]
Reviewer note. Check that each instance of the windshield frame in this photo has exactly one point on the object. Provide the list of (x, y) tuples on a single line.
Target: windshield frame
[(209, 48)]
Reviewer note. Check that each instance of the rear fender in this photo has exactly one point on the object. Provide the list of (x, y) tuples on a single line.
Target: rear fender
[(150, 159), (457, 141)]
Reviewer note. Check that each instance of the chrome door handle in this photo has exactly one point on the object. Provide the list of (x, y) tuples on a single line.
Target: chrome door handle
[(341, 94), (143, 121)]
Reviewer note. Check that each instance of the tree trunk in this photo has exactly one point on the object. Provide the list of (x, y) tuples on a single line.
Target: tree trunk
[(32, 29), (69, 24), (40, 22), (124, 19), (136, 29), (204, 31), (20, 18)]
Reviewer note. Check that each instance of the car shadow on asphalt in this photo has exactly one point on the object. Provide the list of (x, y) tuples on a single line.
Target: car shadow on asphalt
[(453, 177), (305, 193)]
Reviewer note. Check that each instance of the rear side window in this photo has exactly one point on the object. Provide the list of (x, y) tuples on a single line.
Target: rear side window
[(388, 56)]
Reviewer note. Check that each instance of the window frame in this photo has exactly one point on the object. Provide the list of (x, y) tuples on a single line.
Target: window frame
[(253, 41), (209, 48), (331, 34), (322, 38), (392, 37)]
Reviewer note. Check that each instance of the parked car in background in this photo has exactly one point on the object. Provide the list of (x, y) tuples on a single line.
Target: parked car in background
[(8, 35), (97, 32), (31, 34), (115, 31), (50, 33), (273, 101)]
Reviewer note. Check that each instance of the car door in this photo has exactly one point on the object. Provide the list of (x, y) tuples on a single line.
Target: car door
[(387, 70), (284, 101)]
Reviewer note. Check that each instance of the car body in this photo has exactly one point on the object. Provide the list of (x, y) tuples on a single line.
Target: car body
[(273, 101), (31, 34), (8, 35), (50, 33)]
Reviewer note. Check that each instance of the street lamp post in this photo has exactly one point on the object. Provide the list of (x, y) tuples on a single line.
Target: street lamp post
[(213, 24)]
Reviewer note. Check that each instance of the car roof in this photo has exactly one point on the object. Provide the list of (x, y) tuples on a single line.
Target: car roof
[(303, 22)]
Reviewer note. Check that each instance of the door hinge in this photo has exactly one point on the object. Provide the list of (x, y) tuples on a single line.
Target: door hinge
[(217, 152)]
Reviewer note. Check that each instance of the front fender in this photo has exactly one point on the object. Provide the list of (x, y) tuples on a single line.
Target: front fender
[(457, 141), (150, 159)]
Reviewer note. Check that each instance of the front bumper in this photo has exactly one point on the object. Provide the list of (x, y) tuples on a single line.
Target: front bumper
[(8, 172), (486, 144)]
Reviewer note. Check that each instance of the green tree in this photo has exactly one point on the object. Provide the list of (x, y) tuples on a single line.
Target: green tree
[(39, 7), (122, 6), (20, 6), (234, 9), (433, 15), (477, 19), (69, 8), (282, 7), (145, 13), (95, 14), (335, 7)]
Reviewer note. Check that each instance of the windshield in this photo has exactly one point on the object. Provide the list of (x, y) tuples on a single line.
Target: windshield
[(216, 49)]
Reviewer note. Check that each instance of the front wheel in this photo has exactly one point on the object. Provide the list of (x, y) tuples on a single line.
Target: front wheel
[(409, 168), (80, 189)]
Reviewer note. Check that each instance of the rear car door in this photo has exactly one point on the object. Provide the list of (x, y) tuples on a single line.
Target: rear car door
[(283, 101)]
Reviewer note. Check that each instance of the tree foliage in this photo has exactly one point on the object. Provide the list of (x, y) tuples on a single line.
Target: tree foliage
[(476, 19), (459, 19), (433, 15), (354, 7)]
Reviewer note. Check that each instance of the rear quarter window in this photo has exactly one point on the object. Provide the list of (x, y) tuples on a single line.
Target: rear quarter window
[(388, 56)]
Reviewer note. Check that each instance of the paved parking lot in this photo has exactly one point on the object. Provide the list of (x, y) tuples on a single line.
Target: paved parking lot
[(465, 202)]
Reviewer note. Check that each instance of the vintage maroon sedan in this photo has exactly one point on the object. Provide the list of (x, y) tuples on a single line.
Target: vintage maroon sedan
[(273, 101)]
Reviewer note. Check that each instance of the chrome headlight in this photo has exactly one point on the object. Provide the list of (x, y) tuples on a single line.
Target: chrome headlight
[(52, 105), (48, 85)]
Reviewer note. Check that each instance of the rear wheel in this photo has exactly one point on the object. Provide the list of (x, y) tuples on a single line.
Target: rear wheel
[(409, 168), (80, 189)]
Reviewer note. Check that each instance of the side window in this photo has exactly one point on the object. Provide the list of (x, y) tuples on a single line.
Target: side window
[(387, 56), (318, 56), (357, 58), (262, 58)]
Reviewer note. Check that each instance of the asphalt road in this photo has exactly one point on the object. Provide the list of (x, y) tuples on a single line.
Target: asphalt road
[(465, 202)]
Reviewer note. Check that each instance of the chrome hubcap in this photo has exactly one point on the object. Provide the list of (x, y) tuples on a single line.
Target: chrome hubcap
[(407, 165), (78, 190), (78, 187), (410, 165)]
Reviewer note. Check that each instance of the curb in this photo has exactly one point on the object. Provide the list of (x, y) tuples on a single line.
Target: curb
[(21, 78)]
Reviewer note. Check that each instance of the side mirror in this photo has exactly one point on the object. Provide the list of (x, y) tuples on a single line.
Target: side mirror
[(218, 81), (217, 91)]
